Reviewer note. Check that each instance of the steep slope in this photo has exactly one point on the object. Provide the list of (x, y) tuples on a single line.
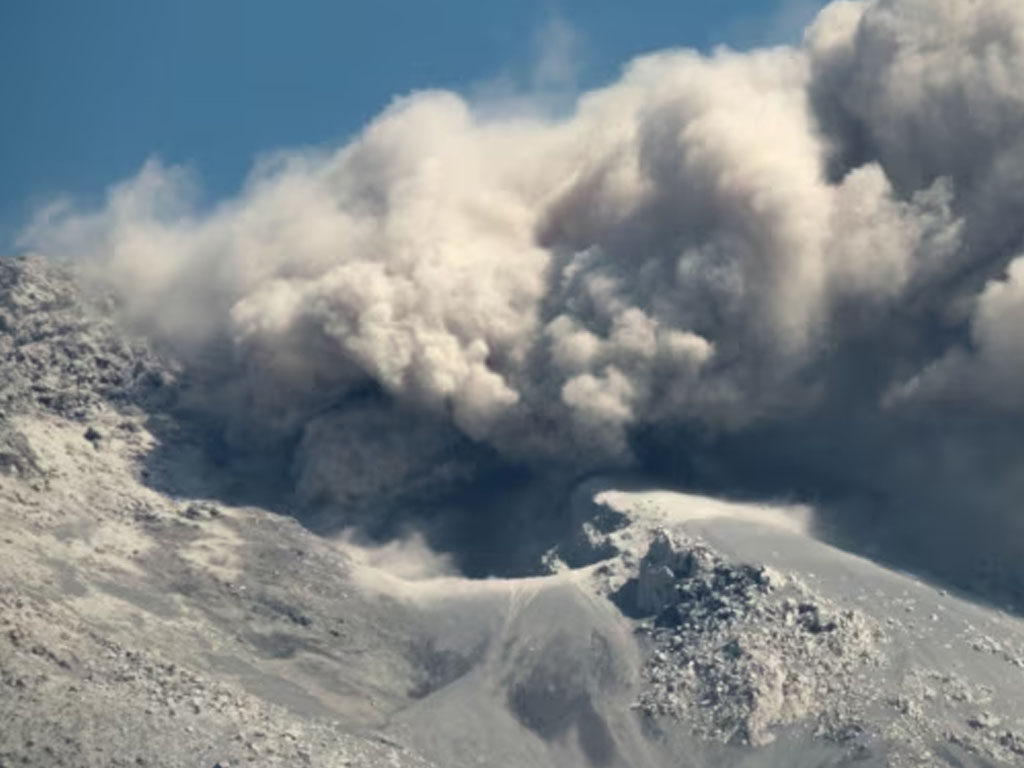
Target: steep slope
[(141, 628), (153, 614)]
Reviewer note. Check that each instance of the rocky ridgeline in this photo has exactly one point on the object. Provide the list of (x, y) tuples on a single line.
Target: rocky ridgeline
[(61, 353), (738, 650)]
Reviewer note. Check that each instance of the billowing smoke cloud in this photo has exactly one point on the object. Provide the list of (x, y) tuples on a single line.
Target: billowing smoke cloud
[(817, 244)]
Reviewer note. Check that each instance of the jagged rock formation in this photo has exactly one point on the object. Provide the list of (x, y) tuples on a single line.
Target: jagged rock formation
[(60, 352), (740, 650)]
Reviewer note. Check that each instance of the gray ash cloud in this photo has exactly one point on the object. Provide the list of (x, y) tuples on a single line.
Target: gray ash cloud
[(793, 270)]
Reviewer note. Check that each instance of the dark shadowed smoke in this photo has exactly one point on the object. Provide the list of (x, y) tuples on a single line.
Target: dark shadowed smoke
[(781, 272)]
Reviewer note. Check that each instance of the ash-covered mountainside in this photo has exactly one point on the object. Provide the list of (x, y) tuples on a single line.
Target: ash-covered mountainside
[(150, 616), (144, 628)]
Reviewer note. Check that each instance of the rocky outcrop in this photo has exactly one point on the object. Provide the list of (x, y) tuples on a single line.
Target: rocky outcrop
[(738, 651), (61, 351)]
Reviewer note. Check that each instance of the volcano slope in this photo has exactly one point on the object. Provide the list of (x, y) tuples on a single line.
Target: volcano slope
[(154, 614)]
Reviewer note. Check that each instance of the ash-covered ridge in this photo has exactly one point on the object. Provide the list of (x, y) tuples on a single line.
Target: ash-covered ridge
[(149, 617), (141, 626), (753, 632), (62, 353)]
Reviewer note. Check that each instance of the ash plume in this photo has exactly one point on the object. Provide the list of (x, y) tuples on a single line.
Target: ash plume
[(794, 270)]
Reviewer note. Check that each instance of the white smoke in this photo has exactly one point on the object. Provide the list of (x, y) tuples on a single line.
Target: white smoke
[(716, 241), (407, 559)]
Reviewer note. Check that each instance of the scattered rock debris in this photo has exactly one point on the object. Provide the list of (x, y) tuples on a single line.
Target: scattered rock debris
[(738, 650)]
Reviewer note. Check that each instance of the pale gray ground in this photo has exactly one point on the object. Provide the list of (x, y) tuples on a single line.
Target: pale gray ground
[(144, 624)]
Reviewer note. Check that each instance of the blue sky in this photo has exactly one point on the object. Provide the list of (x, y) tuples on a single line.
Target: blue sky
[(89, 90)]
